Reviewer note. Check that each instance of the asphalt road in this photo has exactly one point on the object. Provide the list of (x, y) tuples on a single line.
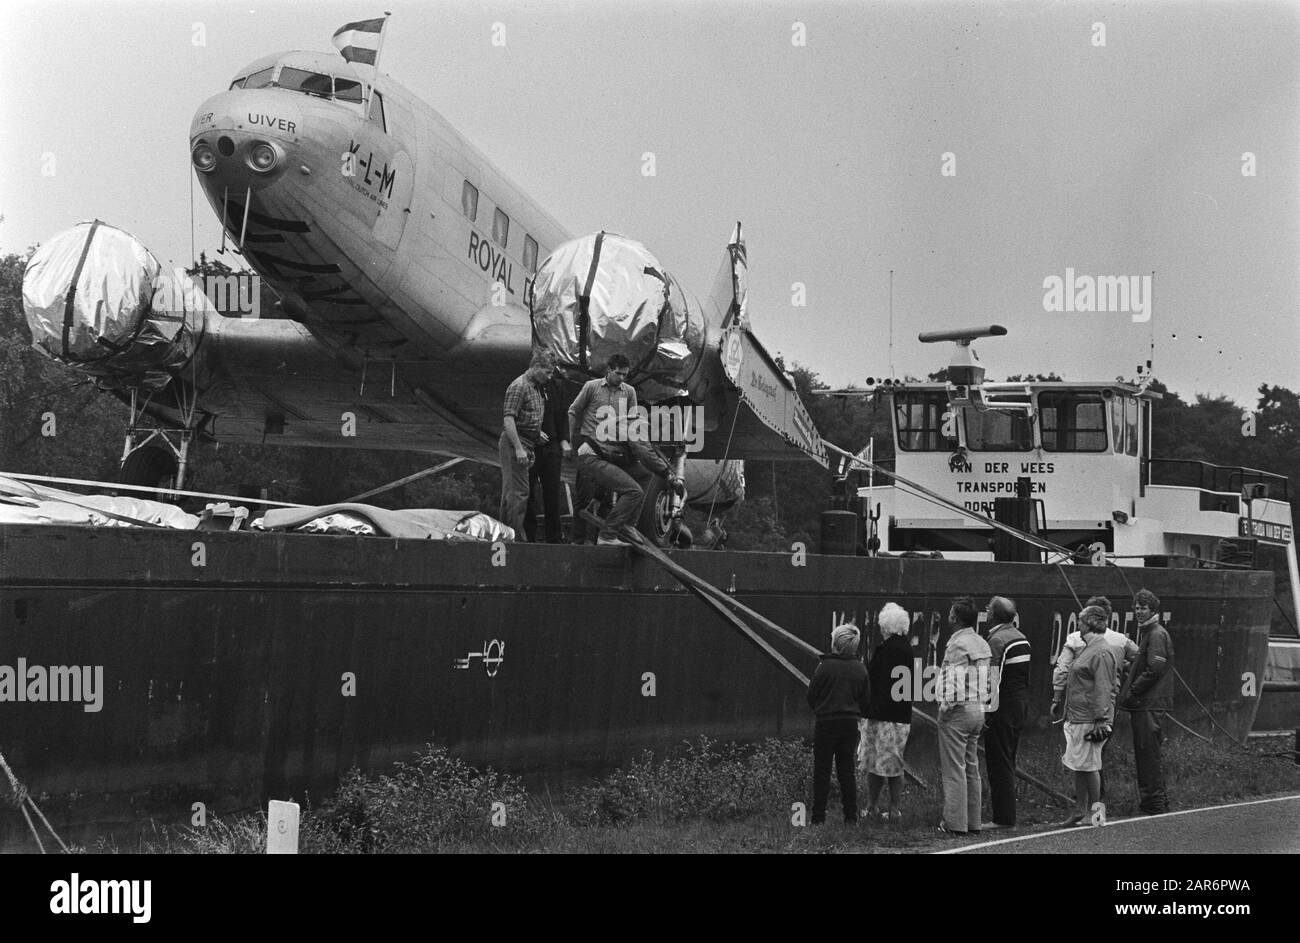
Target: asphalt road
[(1261, 826)]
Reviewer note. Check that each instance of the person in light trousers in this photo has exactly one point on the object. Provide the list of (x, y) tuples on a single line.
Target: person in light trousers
[(963, 690)]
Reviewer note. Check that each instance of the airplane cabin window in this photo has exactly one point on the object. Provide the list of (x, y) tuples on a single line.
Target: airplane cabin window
[(530, 255), (500, 228), (260, 79), (469, 200), (346, 90), (300, 80), (238, 83), (377, 111)]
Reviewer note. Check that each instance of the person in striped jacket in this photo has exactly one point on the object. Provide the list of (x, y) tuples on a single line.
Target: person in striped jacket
[(1002, 725)]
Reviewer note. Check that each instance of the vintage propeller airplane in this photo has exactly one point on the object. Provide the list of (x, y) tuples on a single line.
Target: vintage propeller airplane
[(417, 280)]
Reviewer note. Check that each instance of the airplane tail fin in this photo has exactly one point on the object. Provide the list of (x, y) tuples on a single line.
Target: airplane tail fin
[(730, 287)]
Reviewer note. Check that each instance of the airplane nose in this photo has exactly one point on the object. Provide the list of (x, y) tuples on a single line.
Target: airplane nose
[(244, 138)]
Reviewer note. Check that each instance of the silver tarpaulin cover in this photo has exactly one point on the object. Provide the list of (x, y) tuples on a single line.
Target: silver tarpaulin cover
[(364, 519), (96, 298), (625, 303)]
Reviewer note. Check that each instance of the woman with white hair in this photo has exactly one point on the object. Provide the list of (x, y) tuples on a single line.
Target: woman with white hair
[(837, 694), (889, 713)]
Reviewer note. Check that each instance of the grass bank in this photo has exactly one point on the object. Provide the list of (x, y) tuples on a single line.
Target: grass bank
[(703, 797)]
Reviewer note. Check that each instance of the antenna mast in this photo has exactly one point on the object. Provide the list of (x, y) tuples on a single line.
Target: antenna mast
[(1151, 356), (891, 325)]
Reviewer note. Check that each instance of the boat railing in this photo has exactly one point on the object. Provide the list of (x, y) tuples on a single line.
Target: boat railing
[(1222, 479)]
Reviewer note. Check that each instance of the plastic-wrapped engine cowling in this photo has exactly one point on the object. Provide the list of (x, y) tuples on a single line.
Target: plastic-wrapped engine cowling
[(625, 303), (98, 300)]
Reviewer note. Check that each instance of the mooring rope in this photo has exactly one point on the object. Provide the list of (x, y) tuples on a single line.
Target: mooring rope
[(21, 799), (722, 466)]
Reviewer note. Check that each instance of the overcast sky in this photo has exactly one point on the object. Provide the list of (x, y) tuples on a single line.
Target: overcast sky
[(1111, 160)]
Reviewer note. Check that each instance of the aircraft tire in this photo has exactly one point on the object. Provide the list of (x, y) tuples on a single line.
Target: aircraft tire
[(149, 466), (654, 521)]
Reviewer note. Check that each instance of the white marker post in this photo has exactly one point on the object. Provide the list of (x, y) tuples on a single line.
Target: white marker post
[(282, 828)]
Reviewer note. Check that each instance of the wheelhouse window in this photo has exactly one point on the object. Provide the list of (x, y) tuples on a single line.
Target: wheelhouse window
[(920, 422), (530, 255), (500, 228), (1073, 421), (377, 111), (1117, 423), (469, 201), (260, 79), (995, 431), (1131, 437)]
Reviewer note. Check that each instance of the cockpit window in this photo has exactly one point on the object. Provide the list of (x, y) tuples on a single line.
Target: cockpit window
[(299, 80), (260, 79), (346, 90), (238, 83)]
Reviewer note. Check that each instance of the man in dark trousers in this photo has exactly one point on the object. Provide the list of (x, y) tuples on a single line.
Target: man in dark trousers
[(613, 447), (1010, 667), (1147, 695), (838, 696), (551, 450), (520, 424)]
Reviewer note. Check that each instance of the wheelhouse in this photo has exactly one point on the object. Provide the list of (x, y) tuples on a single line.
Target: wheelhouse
[(1072, 463)]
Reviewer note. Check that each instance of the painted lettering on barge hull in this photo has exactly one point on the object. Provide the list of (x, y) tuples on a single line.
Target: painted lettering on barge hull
[(927, 627)]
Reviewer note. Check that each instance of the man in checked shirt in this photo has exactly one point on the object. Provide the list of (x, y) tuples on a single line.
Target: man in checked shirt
[(522, 430)]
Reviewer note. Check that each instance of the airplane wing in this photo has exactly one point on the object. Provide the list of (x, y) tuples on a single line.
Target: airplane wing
[(256, 380)]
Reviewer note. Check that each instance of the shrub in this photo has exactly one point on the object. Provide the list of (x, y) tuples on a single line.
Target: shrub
[(700, 780), (431, 804)]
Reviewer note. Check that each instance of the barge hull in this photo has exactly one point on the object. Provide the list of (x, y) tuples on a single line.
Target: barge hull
[(240, 667)]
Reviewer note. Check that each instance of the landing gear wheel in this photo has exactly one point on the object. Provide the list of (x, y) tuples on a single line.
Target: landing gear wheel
[(656, 512), (151, 467)]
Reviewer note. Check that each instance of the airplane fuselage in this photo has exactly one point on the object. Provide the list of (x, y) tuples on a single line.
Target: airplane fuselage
[(389, 236)]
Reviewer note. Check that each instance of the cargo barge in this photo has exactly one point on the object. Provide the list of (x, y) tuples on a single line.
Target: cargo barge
[(286, 659), (230, 668)]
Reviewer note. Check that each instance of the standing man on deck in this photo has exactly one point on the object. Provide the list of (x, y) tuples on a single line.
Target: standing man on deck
[(521, 431), (544, 475), (1147, 695), (1010, 674), (621, 461)]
